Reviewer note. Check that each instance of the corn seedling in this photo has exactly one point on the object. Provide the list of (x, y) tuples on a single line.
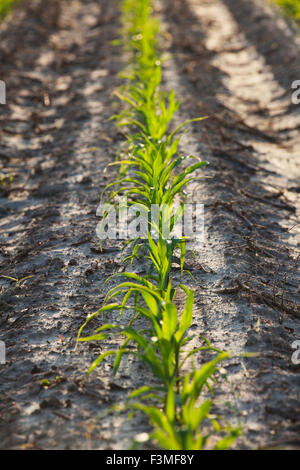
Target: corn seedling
[(150, 175)]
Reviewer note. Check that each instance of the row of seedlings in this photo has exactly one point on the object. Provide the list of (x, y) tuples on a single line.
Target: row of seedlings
[(150, 176)]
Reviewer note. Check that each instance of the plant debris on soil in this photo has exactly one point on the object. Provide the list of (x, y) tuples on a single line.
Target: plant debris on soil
[(231, 60)]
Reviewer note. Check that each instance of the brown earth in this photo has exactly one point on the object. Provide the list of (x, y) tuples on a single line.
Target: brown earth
[(232, 60)]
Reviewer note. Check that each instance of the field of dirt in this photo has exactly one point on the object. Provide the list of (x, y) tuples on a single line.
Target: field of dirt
[(231, 60)]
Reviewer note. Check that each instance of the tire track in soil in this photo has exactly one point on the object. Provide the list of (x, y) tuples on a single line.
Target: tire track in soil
[(57, 141), (247, 273)]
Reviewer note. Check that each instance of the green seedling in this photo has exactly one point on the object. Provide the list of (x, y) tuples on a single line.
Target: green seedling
[(291, 8), (18, 282)]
